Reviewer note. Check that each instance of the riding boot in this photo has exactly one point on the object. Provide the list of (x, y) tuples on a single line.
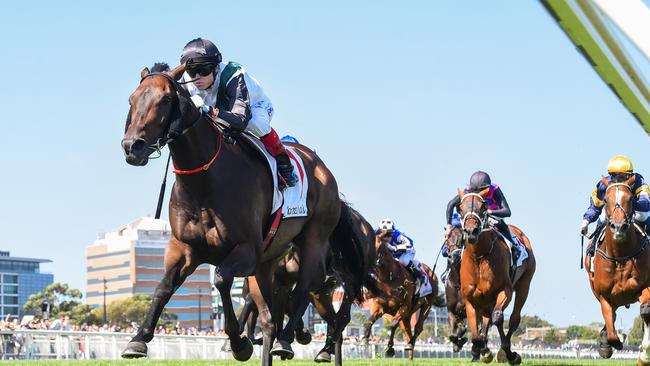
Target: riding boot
[(273, 145)]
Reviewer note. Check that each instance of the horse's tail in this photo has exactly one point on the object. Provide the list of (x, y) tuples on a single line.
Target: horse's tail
[(351, 242)]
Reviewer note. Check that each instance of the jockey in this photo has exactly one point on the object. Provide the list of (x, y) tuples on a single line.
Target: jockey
[(498, 208), (619, 169), (402, 248), (227, 93)]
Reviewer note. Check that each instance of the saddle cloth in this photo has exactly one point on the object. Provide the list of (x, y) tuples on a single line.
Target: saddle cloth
[(425, 288), (293, 200), (523, 253)]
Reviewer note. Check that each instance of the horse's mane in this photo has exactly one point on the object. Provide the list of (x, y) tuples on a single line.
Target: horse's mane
[(160, 67)]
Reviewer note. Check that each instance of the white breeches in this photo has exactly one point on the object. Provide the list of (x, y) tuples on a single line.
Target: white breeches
[(260, 123)]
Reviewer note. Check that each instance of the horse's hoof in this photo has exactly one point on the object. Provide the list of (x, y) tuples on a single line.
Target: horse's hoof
[(389, 351), (282, 349), (243, 351), (408, 347), (501, 356), (135, 349), (605, 351), (323, 356), (226, 346), (617, 344), (515, 359), (303, 336), (487, 356), (475, 358)]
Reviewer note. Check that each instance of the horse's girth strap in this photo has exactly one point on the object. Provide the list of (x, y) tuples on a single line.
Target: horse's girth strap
[(274, 228)]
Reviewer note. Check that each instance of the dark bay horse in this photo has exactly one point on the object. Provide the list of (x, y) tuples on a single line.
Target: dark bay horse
[(485, 282), (220, 213), (395, 295), (621, 273), (455, 304)]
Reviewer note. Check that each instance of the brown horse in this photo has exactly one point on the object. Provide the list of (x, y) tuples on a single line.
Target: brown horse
[(455, 304), (395, 295), (220, 214), (621, 274), (485, 282)]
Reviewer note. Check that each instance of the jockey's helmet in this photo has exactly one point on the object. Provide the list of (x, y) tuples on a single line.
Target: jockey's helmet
[(200, 51), (620, 164), (387, 224), (478, 181)]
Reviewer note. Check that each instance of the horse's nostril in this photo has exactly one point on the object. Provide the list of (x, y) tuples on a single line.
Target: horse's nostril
[(138, 145)]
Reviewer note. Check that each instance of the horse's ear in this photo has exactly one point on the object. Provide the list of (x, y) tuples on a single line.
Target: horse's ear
[(460, 193), (630, 181), (605, 181), (177, 72), (484, 192), (144, 73)]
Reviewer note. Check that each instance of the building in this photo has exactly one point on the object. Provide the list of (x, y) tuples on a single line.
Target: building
[(20, 278), (129, 260)]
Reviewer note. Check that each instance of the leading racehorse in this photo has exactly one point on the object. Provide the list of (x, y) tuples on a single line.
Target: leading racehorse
[(621, 269), (220, 210), (395, 294), (485, 282)]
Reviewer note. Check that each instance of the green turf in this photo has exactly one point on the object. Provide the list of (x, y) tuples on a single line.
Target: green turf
[(379, 362)]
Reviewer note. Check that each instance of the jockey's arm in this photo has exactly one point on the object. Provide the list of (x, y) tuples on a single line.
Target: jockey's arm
[(504, 210), (596, 203), (642, 192), (238, 112), (404, 243), (391, 247), (453, 203)]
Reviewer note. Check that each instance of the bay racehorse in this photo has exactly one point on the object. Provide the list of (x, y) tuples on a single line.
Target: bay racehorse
[(395, 294), (485, 282), (455, 304), (219, 213), (621, 268)]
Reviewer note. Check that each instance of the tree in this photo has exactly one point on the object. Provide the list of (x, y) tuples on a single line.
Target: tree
[(61, 298), (636, 333), (133, 310), (553, 337), (582, 332)]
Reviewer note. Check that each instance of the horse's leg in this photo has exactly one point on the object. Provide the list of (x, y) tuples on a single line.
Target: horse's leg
[(521, 295), (313, 243), (262, 294), (179, 263), (472, 320), (322, 300), (503, 299), (376, 312), (424, 314), (390, 351), (341, 321), (409, 339), (486, 354), (608, 336), (239, 260), (644, 354)]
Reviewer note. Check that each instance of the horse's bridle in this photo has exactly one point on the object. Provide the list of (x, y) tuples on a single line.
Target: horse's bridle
[(166, 137), (628, 215), (483, 222)]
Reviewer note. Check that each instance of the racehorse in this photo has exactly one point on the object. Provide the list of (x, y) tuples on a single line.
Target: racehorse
[(220, 213), (285, 278), (455, 304), (485, 282), (395, 295), (620, 275)]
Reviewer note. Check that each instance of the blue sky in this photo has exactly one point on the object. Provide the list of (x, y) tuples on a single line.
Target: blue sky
[(403, 101)]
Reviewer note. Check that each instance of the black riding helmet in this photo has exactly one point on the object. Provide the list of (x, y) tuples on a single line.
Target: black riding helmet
[(478, 181), (200, 51)]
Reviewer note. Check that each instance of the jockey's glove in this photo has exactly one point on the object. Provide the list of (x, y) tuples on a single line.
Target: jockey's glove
[(584, 227)]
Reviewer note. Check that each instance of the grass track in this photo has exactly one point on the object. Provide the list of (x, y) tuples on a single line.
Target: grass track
[(379, 362)]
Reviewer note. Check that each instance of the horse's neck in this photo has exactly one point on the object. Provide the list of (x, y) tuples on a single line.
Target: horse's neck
[(486, 245), (195, 147), (629, 246)]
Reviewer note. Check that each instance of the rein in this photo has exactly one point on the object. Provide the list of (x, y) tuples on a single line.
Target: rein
[(162, 141), (628, 218)]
